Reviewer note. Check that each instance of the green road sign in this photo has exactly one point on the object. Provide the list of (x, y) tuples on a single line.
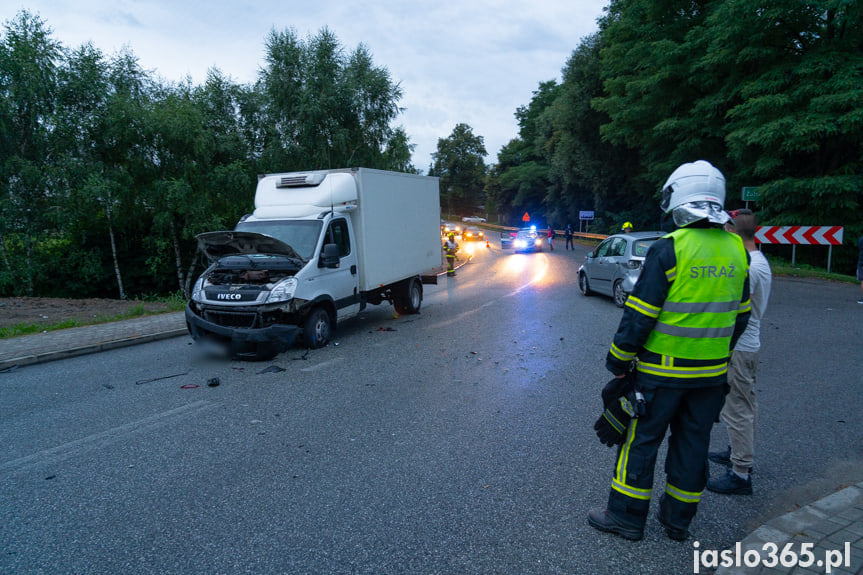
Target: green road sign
[(751, 194)]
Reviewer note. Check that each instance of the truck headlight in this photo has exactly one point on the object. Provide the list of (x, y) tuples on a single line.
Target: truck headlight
[(196, 291), (283, 291)]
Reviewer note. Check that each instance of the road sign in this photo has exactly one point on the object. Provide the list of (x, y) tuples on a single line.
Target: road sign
[(525, 217), (585, 215), (751, 194), (800, 235)]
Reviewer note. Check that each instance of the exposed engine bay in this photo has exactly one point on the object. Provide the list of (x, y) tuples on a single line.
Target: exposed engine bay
[(256, 270)]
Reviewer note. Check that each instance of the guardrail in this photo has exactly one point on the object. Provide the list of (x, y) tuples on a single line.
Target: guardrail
[(557, 232)]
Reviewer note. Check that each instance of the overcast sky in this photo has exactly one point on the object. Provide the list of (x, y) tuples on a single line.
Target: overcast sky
[(469, 61)]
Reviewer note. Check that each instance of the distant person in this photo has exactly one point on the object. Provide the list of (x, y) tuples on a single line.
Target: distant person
[(567, 233), (550, 238), (740, 413), (669, 358), (450, 248), (627, 228), (860, 266)]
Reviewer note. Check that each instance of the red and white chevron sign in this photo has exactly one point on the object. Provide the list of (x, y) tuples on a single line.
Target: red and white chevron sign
[(811, 235)]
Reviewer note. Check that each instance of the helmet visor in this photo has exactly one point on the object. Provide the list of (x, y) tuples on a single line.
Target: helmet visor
[(688, 213)]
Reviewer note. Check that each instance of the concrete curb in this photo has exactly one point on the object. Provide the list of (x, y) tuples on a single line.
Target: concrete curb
[(30, 359), (828, 524)]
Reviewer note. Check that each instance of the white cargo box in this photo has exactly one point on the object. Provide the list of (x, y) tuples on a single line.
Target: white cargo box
[(397, 226)]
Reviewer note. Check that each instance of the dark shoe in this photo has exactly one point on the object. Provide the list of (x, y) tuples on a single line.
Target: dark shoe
[(730, 484), (605, 521), (721, 457), (675, 533)]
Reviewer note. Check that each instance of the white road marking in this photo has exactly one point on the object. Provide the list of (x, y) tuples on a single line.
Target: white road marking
[(104, 438), (322, 365)]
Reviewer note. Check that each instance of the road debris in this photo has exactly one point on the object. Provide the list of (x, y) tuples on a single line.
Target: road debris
[(140, 381), (272, 369)]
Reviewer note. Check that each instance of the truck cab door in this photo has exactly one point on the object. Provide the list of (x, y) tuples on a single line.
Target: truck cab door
[(343, 279)]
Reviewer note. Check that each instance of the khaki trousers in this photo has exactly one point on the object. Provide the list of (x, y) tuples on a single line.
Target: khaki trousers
[(740, 413)]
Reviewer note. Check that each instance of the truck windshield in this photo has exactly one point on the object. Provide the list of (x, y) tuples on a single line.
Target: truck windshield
[(302, 235)]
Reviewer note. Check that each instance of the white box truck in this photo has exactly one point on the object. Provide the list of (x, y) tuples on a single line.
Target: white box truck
[(319, 247)]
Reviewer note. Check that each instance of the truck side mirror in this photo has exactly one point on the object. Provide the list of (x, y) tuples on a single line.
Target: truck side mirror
[(329, 256)]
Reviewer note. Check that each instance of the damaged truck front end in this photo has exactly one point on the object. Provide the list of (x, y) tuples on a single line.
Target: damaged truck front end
[(244, 301)]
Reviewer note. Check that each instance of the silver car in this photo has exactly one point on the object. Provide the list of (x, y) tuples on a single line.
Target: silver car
[(613, 267)]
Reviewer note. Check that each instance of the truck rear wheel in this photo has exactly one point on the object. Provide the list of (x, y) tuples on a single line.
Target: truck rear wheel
[(411, 299), (317, 328)]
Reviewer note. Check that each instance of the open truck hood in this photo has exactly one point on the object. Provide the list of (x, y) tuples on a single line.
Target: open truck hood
[(217, 245)]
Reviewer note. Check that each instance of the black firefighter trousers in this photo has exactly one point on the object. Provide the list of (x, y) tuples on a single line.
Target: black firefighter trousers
[(690, 414)]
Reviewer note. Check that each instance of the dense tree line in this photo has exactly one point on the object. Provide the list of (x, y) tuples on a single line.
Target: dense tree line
[(769, 92), (107, 173)]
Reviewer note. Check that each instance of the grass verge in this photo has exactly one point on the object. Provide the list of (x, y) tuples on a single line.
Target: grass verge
[(172, 303), (782, 267)]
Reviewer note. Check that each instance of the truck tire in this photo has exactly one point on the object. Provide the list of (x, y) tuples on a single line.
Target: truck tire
[(317, 328), (414, 297), (411, 299)]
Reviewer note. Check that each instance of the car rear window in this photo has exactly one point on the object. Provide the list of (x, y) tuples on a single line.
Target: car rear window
[(641, 246)]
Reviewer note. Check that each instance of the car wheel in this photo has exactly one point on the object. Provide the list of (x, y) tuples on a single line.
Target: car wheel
[(317, 329), (583, 284), (619, 294)]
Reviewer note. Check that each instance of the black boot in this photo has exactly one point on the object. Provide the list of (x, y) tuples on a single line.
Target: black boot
[(675, 533), (604, 521), (664, 515)]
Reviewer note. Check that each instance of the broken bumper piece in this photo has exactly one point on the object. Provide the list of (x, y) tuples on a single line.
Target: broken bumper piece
[(245, 343)]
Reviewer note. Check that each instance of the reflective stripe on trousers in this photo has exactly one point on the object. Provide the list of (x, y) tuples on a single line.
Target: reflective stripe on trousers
[(689, 414)]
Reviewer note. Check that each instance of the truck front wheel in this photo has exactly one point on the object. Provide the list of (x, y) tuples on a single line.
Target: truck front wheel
[(317, 328)]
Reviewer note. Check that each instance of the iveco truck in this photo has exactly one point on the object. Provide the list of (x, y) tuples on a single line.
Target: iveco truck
[(319, 247)]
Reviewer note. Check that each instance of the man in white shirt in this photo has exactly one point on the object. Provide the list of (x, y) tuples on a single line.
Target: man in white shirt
[(741, 408)]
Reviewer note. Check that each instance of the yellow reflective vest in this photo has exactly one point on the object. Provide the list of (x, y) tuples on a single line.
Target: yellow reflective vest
[(697, 319)]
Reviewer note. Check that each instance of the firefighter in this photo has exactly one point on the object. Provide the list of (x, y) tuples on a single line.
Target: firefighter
[(450, 247), (626, 227), (669, 357)]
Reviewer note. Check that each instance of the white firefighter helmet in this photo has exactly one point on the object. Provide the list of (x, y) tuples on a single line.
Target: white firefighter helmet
[(695, 191)]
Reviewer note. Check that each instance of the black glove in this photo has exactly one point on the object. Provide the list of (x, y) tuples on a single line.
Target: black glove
[(617, 387), (612, 424)]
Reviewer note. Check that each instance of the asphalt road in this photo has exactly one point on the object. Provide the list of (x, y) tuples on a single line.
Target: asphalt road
[(455, 441)]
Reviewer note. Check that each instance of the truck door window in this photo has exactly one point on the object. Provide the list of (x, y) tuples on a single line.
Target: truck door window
[(338, 234)]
